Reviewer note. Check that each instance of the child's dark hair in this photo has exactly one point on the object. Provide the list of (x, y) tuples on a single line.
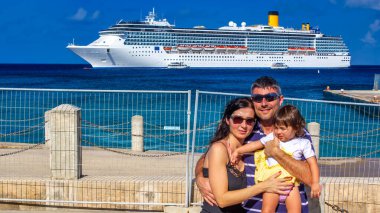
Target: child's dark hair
[(289, 115), (223, 129)]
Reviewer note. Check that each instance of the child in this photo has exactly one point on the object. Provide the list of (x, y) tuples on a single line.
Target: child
[(289, 129)]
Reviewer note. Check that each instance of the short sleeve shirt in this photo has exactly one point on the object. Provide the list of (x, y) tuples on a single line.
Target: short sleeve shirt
[(254, 204)]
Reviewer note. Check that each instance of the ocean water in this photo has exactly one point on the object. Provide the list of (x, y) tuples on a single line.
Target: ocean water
[(296, 83)]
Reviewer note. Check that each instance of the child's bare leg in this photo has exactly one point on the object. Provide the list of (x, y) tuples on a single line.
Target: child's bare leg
[(293, 201), (270, 202)]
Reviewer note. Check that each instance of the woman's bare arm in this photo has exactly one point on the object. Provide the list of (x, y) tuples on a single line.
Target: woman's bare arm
[(217, 160)]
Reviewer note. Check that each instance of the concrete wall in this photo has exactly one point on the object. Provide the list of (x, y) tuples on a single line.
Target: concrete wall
[(351, 194)]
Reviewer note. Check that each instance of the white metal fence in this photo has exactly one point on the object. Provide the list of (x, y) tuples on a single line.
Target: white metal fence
[(349, 147), (112, 173), (116, 176)]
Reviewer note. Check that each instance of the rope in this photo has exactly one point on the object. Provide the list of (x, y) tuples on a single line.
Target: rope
[(105, 128), (30, 119), (24, 131), (336, 208), (348, 135), (23, 150), (134, 154)]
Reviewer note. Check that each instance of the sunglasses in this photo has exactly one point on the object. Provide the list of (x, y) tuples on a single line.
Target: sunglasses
[(268, 97), (239, 120)]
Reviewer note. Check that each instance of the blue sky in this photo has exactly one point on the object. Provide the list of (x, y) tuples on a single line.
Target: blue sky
[(37, 31)]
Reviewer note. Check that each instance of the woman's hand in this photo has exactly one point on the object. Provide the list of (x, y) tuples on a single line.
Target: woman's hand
[(235, 157), (278, 185)]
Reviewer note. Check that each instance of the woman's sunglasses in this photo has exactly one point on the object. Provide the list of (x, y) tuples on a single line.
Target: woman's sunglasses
[(239, 120), (268, 97)]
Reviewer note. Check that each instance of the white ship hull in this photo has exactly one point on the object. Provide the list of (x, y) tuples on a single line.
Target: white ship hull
[(116, 56), (158, 44)]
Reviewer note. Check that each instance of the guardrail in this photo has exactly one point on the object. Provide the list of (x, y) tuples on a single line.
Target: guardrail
[(131, 149)]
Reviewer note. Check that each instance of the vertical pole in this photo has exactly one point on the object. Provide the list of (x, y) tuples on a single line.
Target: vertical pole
[(188, 172), (191, 167), (138, 133)]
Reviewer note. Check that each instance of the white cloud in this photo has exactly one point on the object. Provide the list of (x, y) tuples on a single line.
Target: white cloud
[(95, 15), (373, 4), (368, 38), (375, 26), (80, 15), (332, 1)]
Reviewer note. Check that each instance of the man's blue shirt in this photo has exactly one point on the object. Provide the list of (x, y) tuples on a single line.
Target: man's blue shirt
[(255, 203)]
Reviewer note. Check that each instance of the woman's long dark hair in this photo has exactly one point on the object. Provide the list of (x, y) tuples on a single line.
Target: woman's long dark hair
[(223, 129)]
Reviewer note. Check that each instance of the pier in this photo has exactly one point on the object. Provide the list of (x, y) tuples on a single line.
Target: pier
[(359, 96)]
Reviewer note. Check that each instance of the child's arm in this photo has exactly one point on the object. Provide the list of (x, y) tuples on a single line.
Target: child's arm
[(315, 187), (245, 149)]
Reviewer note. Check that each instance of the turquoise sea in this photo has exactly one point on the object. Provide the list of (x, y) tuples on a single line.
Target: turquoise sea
[(347, 131), (296, 83)]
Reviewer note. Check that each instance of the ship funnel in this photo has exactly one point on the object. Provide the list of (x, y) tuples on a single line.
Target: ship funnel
[(273, 18), (305, 26)]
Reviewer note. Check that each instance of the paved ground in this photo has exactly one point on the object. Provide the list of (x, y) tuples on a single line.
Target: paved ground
[(97, 163)]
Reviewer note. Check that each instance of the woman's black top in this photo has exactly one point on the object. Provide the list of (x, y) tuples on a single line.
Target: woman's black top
[(236, 180)]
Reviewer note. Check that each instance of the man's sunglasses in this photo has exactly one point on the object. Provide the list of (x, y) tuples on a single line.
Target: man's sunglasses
[(239, 120), (268, 97)]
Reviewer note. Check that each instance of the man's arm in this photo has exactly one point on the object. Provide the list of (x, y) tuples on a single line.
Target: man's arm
[(299, 169), (204, 183)]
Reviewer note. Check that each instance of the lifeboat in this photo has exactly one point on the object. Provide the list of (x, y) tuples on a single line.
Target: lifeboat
[(242, 49), (196, 48), (167, 48), (209, 48), (183, 47), (220, 48), (232, 49)]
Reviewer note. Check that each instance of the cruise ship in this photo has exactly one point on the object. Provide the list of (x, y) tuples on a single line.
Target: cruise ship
[(156, 43)]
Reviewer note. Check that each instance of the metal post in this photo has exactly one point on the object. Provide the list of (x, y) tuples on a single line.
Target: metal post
[(193, 144), (188, 172)]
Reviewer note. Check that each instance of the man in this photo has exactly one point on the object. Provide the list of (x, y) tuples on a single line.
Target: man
[(267, 99)]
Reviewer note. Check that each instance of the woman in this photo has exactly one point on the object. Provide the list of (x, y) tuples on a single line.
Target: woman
[(228, 182)]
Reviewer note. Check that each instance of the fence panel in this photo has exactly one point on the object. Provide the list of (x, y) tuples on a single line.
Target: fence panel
[(113, 174), (349, 147)]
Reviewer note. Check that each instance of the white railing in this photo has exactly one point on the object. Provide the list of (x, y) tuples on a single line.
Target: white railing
[(36, 128), (114, 175), (349, 145)]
